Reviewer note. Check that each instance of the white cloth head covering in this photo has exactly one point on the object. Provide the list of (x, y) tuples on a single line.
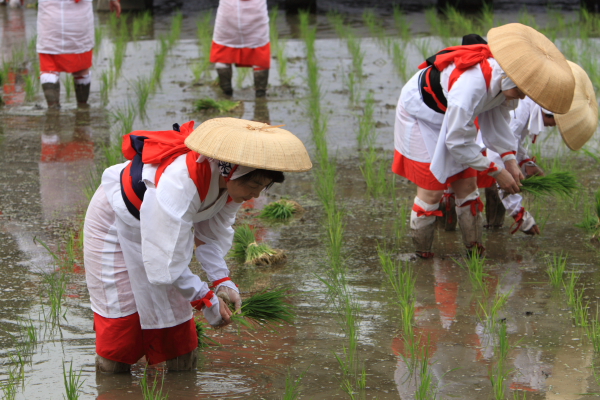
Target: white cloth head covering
[(535, 125), (226, 167), (507, 83)]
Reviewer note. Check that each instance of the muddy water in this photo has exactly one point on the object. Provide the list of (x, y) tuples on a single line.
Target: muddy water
[(45, 160)]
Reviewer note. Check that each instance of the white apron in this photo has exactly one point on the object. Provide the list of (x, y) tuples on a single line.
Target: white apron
[(65, 27), (242, 23)]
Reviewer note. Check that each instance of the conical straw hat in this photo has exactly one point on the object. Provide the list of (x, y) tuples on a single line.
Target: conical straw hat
[(579, 124), (534, 64), (249, 143)]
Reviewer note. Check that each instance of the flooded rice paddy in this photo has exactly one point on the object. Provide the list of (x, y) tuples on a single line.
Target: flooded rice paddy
[(532, 343)]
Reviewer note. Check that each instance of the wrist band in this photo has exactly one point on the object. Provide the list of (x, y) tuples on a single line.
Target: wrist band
[(219, 281), (203, 302)]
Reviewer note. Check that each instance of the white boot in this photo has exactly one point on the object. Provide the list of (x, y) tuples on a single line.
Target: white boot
[(470, 219), (422, 224)]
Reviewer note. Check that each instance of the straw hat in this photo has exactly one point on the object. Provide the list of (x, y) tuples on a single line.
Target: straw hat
[(249, 143), (534, 64), (579, 124)]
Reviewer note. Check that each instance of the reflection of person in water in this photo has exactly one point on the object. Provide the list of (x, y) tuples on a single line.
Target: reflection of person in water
[(66, 160), (65, 43), (140, 234), (241, 37)]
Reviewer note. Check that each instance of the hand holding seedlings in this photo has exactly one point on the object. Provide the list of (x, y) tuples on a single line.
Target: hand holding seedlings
[(230, 296)]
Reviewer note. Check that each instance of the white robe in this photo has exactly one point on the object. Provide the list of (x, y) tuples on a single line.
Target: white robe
[(155, 251), (242, 23), (448, 141), (65, 27)]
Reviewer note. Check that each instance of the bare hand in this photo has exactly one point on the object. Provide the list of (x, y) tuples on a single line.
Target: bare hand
[(535, 230), (513, 168), (225, 312), (533, 170), (507, 182), (115, 7)]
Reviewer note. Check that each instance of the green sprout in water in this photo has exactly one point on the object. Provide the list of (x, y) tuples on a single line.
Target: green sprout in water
[(222, 106), (556, 269), (266, 307), (562, 184), (281, 210)]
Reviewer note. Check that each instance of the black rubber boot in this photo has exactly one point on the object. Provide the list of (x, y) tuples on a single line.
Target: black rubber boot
[(494, 209), (261, 80), (52, 94), (82, 93), (225, 75)]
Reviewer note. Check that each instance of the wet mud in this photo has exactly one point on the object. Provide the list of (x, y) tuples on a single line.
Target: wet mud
[(46, 159)]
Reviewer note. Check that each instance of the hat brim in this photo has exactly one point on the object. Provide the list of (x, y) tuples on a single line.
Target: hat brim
[(534, 64), (250, 143)]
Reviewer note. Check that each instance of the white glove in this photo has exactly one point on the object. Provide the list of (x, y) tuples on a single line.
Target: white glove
[(230, 293), (213, 313)]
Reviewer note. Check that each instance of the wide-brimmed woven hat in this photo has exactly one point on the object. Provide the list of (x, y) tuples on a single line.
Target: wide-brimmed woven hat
[(580, 123), (250, 143), (534, 64)]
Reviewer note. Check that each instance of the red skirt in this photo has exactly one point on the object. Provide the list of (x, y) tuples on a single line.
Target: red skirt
[(241, 57), (124, 340), (66, 62), (419, 173)]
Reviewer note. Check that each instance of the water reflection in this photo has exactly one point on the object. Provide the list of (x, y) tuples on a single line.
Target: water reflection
[(66, 160)]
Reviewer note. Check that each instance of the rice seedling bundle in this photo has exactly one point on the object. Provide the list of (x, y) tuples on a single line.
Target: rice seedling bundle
[(266, 307), (222, 106), (561, 184), (245, 249), (281, 210)]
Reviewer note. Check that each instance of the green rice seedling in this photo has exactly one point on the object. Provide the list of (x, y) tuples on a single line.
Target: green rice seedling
[(146, 18), (160, 58), (105, 84), (423, 45), (136, 28), (119, 55), (292, 386), (242, 237), (426, 389), (242, 75), (358, 55), (374, 25), (267, 307), (152, 392), (142, 87), (399, 60), (28, 334), (593, 331), (55, 285), (175, 32), (30, 88), (113, 24), (366, 122), (203, 339), (273, 31), (553, 184), (555, 268), (498, 379), (98, 37), (400, 222), (528, 19), (337, 21), (475, 266), (204, 34), (458, 22), (402, 24), (220, 106), (399, 274), (580, 307), (518, 396), (486, 20), (257, 251), (280, 210), (69, 85), (73, 382), (503, 345), (124, 116), (282, 63), (374, 172), (10, 386), (569, 286)]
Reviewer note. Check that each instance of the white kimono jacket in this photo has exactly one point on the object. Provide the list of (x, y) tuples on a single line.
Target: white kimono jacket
[(157, 249), (448, 141), (65, 27), (242, 23)]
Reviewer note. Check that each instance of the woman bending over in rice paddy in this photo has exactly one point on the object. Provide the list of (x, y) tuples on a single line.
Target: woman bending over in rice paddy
[(441, 107), (182, 187)]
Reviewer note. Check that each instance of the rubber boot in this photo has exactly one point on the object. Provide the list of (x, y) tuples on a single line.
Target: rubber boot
[(82, 93), (225, 75), (52, 94), (422, 224), (471, 226), (447, 207), (494, 209), (261, 79), (107, 366), (185, 362)]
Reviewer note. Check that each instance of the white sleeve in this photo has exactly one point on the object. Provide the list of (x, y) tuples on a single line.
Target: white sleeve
[(217, 234), (166, 233), (466, 96), (496, 132), (518, 125)]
